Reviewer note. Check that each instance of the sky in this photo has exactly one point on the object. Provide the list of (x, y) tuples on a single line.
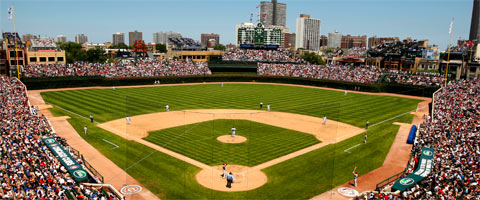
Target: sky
[(418, 19)]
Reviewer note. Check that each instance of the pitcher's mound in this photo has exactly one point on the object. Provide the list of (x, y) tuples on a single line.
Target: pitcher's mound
[(245, 178), (230, 139)]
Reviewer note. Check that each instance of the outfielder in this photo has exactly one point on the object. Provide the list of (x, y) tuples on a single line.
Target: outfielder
[(222, 84), (167, 108), (365, 138), (366, 125), (261, 105), (85, 129), (268, 107), (233, 131), (91, 118), (345, 93)]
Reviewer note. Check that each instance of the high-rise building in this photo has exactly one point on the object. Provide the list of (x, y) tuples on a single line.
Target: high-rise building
[(81, 38), (308, 33), (162, 37), (134, 36), (247, 33), (349, 41), (61, 38), (206, 37), (289, 40), (323, 41), (334, 40), (118, 38), (475, 24), (273, 13)]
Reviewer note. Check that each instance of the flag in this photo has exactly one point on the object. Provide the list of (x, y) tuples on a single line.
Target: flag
[(258, 6), (10, 12), (451, 27)]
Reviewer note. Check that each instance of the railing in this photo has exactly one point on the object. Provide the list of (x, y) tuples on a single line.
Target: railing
[(433, 102), (396, 176), (109, 187), (93, 170)]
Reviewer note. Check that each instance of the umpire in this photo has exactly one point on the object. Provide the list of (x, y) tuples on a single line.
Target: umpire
[(229, 180)]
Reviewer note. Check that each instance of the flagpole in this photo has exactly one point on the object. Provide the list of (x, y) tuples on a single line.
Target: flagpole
[(448, 56), (15, 38)]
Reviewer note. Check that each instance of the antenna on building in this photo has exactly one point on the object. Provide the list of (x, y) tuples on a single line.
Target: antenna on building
[(251, 17)]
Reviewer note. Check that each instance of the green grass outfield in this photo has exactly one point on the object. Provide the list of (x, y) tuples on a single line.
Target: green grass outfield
[(298, 178), (264, 142)]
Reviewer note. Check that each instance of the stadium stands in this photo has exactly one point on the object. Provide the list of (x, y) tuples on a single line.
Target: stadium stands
[(145, 68), (10, 39), (252, 55), (29, 170)]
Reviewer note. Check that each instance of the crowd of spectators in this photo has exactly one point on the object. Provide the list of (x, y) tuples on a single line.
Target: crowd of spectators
[(356, 52), (454, 133), (253, 55), (143, 68), (184, 42), (362, 74), (44, 42), (415, 78), (10, 38), (28, 169)]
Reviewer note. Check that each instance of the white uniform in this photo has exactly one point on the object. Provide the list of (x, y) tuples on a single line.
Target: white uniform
[(85, 129), (365, 141), (268, 107), (128, 120), (324, 120), (167, 108), (222, 84), (113, 88), (345, 93), (233, 131)]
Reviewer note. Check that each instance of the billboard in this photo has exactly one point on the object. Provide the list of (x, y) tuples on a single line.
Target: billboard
[(431, 54)]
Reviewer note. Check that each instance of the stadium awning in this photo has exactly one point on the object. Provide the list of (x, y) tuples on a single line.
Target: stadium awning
[(423, 170)]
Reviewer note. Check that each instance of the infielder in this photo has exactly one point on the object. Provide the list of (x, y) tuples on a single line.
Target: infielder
[(261, 105), (85, 129), (233, 131), (128, 120), (324, 120), (268, 107), (167, 108)]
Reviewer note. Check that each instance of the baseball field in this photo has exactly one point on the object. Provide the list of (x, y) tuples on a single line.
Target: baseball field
[(192, 128)]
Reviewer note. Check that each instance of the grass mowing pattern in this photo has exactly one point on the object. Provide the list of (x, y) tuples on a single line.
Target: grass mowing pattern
[(354, 109), (299, 178), (199, 141)]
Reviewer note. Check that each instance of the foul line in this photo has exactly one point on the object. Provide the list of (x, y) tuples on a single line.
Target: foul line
[(116, 146), (346, 150)]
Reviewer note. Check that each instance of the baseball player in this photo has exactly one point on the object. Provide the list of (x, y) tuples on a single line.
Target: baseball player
[(91, 118), (128, 120), (233, 131), (222, 84), (268, 107), (345, 93), (85, 129), (261, 105), (365, 138), (167, 108), (113, 88), (366, 125), (224, 167), (355, 176), (324, 120)]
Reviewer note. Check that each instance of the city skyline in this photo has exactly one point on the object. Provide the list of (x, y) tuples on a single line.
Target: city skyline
[(431, 19)]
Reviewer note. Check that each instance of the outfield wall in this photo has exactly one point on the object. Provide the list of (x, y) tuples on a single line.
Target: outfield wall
[(87, 81)]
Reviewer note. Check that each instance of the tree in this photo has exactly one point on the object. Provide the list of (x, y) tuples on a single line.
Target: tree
[(96, 55), (161, 48), (119, 46), (73, 51), (313, 58), (220, 47)]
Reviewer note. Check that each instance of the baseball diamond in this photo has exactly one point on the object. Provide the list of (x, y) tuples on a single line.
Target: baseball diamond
[(147, 152)]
